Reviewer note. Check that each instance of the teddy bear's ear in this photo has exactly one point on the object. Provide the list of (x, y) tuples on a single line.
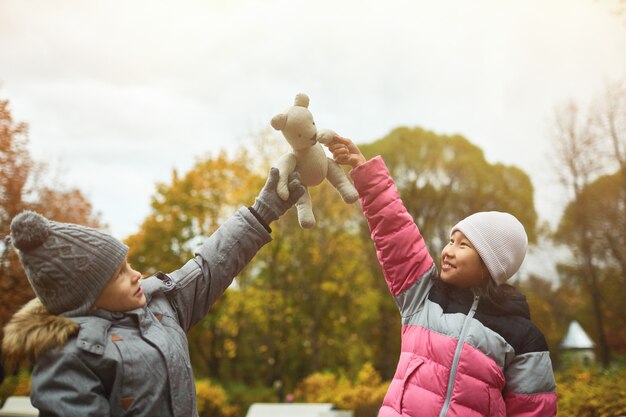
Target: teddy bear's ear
[(279, 121), (301, 100)]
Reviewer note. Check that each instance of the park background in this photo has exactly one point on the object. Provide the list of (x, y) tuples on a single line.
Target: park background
[(152, 120)]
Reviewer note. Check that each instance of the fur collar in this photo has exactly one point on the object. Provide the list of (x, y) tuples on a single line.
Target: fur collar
[(33, 331)]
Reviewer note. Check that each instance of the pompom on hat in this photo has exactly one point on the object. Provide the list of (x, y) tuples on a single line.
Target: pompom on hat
[(500, 240), (66, 264)]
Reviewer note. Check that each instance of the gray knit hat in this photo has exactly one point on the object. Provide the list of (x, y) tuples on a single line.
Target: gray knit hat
[(500, 240), (66, 264)]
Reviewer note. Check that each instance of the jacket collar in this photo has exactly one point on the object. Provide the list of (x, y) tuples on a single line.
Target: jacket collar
[(92, 335), (514, 305), (32, 331)]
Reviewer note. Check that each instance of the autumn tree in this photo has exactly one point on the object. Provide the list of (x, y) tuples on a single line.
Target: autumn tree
[(577, 150), (610, 120), (601, 204), (22, 187), (590, 155)]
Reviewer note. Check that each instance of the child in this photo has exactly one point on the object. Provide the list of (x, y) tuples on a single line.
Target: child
[(106, 343), (468, 345)]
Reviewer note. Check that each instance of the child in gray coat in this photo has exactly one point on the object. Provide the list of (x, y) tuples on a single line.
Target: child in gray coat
[(104, 341)]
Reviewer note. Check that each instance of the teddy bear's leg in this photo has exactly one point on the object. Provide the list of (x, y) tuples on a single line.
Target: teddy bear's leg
[(285, 164), (305, 211), (340, 181)]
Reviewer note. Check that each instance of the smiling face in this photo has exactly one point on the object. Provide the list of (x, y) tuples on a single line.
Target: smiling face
[(460, 263), (123, 292)]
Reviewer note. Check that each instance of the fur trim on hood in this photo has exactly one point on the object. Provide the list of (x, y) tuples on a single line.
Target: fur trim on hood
[(33, 331)]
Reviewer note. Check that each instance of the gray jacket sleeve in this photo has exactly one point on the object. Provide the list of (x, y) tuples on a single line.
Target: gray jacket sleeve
[(199, 283), (64, 386)]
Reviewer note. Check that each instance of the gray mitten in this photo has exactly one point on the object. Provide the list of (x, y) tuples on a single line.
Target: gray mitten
[(269, 205)]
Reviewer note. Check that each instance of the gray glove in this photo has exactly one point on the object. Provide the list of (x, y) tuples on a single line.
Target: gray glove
[(269, 205)]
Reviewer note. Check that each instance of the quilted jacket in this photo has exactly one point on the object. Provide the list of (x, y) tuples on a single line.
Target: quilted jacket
[(459, 356)]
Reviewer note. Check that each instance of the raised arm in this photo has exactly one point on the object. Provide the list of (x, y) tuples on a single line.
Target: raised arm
[(400, 247), (198, 284)]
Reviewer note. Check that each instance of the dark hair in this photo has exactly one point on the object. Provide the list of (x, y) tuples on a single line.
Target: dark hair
[(493, 293)]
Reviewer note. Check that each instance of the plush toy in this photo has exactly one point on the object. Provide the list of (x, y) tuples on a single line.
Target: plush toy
[(308, 158)]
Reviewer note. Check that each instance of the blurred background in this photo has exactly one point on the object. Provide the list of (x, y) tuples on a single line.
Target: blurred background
[(151, 120)]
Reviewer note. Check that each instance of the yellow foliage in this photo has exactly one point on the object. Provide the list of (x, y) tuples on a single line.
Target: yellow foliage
[(591, 393), (15, 385), (364, 397), (368, 376), (231, 348), (213, 401), (190, 208), (319, 387), (23, 385)]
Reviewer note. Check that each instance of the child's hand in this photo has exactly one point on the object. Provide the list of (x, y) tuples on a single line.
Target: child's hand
[(269, 205), (346, 152)]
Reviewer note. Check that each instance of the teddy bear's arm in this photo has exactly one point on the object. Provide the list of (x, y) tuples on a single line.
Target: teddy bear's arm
[(286, 164), (325, 136)]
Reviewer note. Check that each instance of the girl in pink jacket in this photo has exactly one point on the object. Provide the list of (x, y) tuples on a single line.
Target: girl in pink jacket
[(469, 348)]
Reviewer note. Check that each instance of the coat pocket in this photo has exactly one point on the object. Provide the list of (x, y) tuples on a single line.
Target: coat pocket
[(414, 364)]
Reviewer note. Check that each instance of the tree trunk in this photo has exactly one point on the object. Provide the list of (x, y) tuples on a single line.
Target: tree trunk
[(603, 347)]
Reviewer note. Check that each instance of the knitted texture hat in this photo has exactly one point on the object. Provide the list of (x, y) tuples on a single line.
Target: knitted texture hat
[(500, 240), (66, 264)]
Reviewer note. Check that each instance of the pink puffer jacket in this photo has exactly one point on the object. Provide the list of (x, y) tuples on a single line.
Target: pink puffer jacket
[(458, 357)]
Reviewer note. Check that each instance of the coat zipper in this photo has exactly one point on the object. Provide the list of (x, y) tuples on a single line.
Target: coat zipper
[(457, 356)]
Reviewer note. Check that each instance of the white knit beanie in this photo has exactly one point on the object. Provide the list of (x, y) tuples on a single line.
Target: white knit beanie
[(500, 240)]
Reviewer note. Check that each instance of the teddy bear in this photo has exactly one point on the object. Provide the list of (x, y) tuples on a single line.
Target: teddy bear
[(308, 158)]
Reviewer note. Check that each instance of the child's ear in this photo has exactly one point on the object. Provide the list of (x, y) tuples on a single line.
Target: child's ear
[(279, 121)]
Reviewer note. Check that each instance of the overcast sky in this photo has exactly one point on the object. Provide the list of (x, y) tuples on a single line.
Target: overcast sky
[(118, 93)]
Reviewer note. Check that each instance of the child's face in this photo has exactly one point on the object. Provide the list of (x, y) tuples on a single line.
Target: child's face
[(460, 263), (123, 292)]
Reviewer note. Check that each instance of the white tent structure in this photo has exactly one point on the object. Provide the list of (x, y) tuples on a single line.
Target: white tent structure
[(19, 406), (577, 346), (295, 410)]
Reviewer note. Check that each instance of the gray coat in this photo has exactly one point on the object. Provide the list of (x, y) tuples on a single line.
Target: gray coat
[(137, 363)]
